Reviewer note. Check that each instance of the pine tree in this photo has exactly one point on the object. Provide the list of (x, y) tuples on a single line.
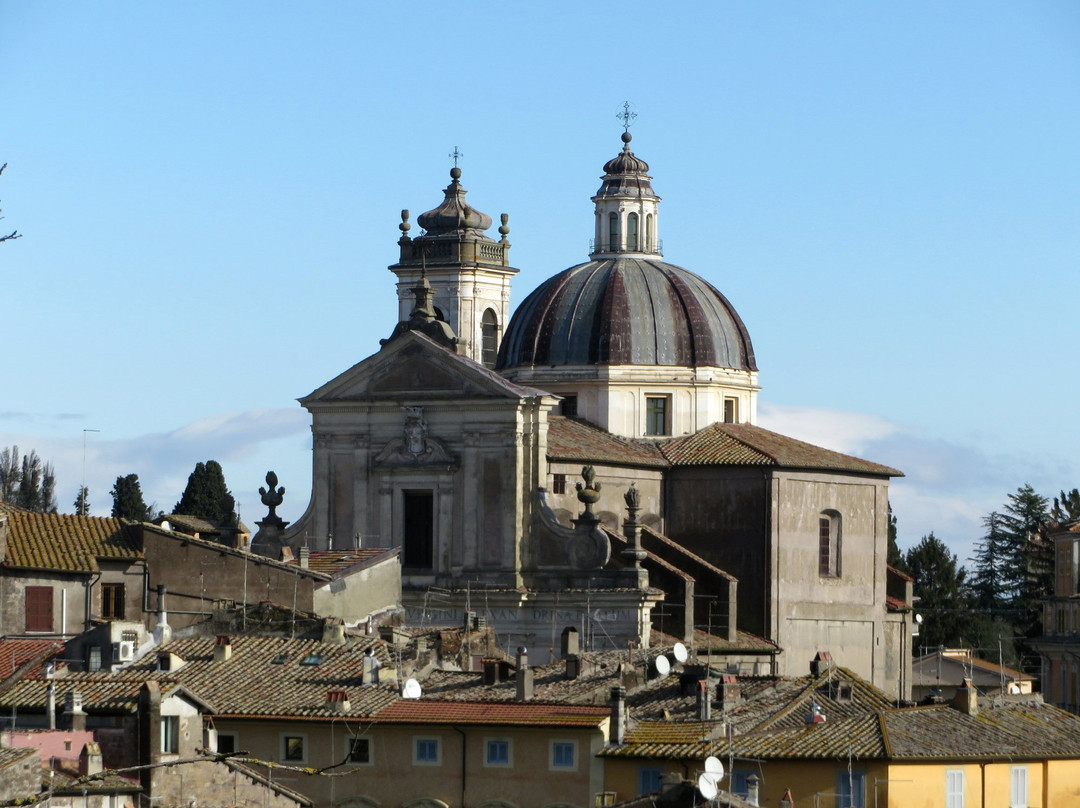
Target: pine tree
[(939, 584), (1032, 555), (10, 474), (206, 495), (894, 558), (128, 499), (82, 503), (995, 580), (1066, 509)]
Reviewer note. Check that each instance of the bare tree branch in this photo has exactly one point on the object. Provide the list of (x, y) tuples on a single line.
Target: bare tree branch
[(14, 234)]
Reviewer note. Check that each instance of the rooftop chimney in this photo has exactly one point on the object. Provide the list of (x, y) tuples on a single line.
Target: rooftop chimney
[(76, 718), (573, 666), (369, 671), (704, 701), (334, 631), (524, 675), (491, 670), (728, 691), (338, 701), (162, 631), (50, 704), (571, 643), (821, 662), (617, 734), (222, 648), (966, 699), (305, 557), (90, 759), (752, 783), (787, 801), (286, 554)]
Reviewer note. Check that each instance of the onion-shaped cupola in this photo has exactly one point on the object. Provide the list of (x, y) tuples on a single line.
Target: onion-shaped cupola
[(626, 208), (454, 217)]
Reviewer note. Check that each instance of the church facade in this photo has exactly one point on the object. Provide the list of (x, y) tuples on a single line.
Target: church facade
[(533, 469)]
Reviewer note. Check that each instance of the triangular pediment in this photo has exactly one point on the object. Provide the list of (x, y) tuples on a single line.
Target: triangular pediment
[(416, 367)]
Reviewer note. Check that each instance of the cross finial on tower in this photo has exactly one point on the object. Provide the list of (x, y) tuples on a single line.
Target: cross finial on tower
[(626, 116), (456, 155)]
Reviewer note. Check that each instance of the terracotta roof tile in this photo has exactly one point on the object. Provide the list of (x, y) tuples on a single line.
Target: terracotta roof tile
[(62, 541), (15, 652), (523, 714), (571, 439), (332, 562), (748, 445)]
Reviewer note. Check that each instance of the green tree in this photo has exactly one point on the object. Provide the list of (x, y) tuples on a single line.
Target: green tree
[(29, 483), (939, 585), (994, 581), (206, 495), (894, 558), (128, 500), (1066, 508), (10, 474), (1024, 520), (82, 503)]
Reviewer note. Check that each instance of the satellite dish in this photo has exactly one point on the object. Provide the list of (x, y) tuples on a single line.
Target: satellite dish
[(1014, 689), (714, 767), (680, 652), (663, 667), (412, 690), (707, 786), (165, 525)]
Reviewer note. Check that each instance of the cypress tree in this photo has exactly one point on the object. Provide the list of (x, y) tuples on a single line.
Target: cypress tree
[(206, 495), (128, 500)]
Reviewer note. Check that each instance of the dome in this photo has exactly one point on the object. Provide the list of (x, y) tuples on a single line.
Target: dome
[(626, 311), (454, 216)]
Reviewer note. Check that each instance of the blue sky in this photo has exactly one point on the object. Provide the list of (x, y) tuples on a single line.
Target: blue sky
[(209, 195)]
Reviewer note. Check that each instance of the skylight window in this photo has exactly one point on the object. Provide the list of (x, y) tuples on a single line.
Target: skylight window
[(311, 659)]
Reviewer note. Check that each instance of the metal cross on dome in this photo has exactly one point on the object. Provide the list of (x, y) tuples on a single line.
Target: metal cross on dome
[(626, 116), (456, 155)]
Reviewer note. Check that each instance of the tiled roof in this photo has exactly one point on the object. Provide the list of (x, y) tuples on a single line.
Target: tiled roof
[(748, 445), (332, 562), (570, 439), (13, 754), (266, 676), (669, 740), (703, 642), (63, 541), (522, 714), (15, 652)]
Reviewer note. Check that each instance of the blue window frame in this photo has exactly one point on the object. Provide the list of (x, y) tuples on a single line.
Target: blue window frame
[(498, 753), (738, 781), (649, 780), (427, 750), (851, 789), (562, 755)]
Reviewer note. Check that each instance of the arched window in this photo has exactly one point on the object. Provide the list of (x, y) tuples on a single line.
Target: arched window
[(829, 544), (650, 237), (613, 231), (489, 339), (631, 232)]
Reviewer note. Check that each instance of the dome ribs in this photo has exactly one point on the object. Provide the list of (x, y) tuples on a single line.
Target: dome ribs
[(611, 341)]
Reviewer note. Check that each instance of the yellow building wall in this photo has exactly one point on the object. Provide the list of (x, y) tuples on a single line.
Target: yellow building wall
[(1062, 783)]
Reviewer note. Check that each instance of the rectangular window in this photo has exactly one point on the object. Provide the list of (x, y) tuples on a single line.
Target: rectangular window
[(359, 750), (738, 782), (656, 422), (112, 601), (170, 734), (954, 788), (850, 788), (426, 751), (731, 410), (226, 743), (1018, 791), (568, 406), (649, 780), (563, 755), (497, 752), (558, 483), (829, 544), (93, 658), (293, 748), (39, 608)]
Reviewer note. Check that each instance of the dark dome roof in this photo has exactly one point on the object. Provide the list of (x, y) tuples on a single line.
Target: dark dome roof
[(626, 311)]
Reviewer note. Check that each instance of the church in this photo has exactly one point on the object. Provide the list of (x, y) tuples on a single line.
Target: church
[(593, 460)]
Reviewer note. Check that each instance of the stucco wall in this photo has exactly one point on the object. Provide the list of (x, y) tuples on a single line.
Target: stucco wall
[(363, 592)]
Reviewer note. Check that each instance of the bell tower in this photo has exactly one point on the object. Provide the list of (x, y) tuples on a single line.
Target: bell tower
[(469, 272)]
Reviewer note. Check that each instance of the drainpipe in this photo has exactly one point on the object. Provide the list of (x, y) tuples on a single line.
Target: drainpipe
[(89, 590), (462, 734), (63, 612)]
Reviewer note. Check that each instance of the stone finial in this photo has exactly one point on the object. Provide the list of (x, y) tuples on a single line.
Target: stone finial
[(633, 554), (405, 226), (588, 494), (504, 228), (272, 498)]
